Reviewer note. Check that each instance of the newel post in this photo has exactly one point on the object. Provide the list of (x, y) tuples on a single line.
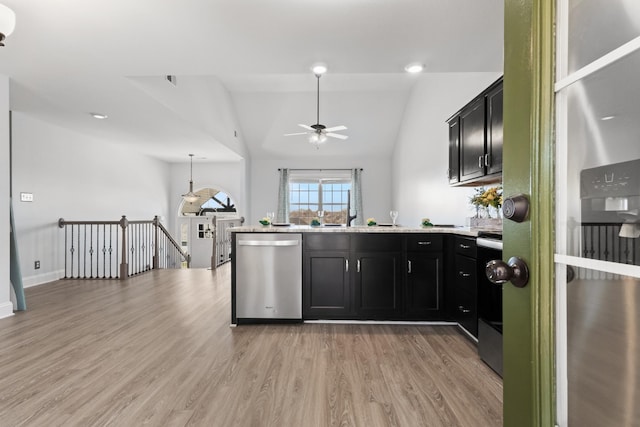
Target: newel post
[(124, 266), (156, 249)]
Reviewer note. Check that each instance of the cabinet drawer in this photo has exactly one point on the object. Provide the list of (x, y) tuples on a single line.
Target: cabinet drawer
[(325, 242), (376, 242), (466, 274), (466, 312), (466, 246), (424, 242)]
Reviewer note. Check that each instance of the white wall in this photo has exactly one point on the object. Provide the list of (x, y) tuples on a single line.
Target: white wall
[(376, 183), (421, 154), (76, 178), (6, 307)]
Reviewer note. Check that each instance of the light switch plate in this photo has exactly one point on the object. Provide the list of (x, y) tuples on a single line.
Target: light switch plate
[(26, 197)]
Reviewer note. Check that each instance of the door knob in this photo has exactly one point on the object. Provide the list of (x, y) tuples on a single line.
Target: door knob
[(515, 270)]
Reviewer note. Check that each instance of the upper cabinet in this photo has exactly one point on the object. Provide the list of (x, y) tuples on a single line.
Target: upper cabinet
[(475, 140)]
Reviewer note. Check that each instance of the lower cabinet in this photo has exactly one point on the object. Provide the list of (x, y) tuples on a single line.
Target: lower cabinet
[(424, 296), (326, 285), (326, 290), (377, 282), (386, 276), (465, 285)]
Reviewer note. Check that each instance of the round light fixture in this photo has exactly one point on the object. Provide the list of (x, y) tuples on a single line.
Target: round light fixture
[(414, 67), (319, 68), (99, 116), (7, 22)]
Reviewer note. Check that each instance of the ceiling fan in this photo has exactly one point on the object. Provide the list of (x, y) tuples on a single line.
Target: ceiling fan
[(318, 133)]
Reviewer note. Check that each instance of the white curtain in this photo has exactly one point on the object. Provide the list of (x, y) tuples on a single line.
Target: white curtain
[(356, 196), (282, 213)]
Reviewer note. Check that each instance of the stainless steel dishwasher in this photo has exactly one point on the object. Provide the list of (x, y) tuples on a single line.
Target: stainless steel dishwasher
[(268, 276)]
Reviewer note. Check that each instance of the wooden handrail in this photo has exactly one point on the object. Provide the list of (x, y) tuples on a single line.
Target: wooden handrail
[(140, 247)]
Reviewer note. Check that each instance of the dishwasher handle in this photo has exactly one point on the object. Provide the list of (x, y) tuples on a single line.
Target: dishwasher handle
[(268, 242)]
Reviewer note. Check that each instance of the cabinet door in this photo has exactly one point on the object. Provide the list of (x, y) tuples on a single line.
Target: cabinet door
[(424, 285), (472, 141), (326, 291), (493, 158), (454, 151), (378, 285)]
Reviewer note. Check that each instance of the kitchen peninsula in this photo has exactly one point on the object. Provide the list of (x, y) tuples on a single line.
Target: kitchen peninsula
[(355, 273)]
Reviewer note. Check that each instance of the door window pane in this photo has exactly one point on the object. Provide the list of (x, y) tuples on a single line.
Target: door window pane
[(603, 164), (602, 336), (597, 27)]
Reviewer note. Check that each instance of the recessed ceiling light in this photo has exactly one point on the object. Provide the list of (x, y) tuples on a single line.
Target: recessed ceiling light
[(414, 67), (99, 116), (319, 68), (607, 118)]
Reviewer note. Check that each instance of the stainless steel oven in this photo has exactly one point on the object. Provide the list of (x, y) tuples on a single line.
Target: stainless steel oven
[(489, 304)]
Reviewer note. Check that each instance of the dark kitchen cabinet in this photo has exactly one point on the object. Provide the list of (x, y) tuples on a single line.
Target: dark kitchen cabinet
[(465, 284), (326, 289), (476, 130), (472, 141), (377, 277), (424, 277), (493, 156), (454, 151)]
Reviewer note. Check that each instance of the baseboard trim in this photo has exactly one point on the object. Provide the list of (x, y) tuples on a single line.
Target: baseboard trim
[(40, 279), (384, 322), (6, 309)]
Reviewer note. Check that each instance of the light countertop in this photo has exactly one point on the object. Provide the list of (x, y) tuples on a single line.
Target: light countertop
[(463, 231)]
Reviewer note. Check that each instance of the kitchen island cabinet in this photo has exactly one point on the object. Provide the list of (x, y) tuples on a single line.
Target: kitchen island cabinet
[(326, 287), (385, 273)]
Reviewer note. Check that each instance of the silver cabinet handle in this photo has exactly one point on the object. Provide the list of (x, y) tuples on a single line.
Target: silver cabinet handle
[(486, 160), (463, 274), (424, 243), (346, 265), (409, 267), (464, 246), (268, 242), (480, 161), (463, 310), (358, 266)]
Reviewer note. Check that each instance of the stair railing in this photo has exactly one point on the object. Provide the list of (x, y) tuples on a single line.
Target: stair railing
[(118, 249)]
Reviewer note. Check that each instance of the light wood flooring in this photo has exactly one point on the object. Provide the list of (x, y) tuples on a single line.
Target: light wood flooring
[(157, 350)]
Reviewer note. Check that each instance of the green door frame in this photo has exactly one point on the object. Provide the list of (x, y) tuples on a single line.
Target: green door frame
[(529, 328)]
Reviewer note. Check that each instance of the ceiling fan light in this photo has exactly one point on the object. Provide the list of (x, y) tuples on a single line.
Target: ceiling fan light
[(414, 68), (319, 68), (7, 22), (317, 138)]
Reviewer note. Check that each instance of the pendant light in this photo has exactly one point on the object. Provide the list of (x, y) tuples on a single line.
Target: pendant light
[(190, 196)]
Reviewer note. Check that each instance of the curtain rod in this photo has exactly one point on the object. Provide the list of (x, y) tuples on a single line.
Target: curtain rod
[(321, 170)]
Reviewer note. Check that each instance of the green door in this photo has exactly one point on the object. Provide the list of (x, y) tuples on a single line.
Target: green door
[(528, 169)]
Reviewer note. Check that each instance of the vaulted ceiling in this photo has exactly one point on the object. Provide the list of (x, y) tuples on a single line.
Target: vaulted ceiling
[(242, 69)]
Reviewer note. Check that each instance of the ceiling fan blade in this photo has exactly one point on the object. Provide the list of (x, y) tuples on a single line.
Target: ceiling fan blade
[(335, 128), (298, 133), (305, 126), (337, 135)]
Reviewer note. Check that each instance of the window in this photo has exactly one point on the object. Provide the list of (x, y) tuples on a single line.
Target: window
[(310, 193)]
